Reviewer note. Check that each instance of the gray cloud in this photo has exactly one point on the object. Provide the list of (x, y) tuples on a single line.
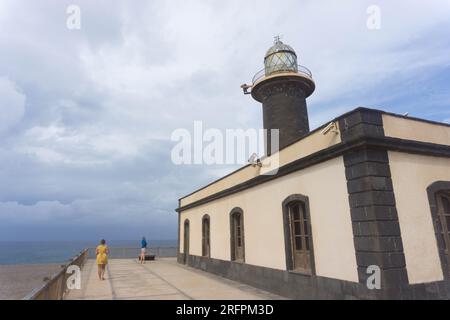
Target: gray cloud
[(87, 114), (12, 104)]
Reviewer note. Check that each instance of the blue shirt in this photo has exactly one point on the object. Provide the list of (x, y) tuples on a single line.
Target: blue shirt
[(143, 243)]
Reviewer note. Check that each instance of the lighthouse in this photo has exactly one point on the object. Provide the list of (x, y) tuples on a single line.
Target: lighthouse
[(282, 87)]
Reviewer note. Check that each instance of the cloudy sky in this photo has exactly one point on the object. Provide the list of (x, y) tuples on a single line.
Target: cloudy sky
[(86, 115)]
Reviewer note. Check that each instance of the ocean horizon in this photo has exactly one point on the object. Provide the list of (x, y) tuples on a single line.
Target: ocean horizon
[(49, 252)]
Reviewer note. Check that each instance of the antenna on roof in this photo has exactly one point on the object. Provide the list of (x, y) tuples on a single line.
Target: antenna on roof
[(277, 38)]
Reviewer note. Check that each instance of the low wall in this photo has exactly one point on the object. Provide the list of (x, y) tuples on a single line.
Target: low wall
[(55, 288)]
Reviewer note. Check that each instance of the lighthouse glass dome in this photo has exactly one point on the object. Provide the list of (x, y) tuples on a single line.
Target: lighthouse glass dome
[(280, 58)]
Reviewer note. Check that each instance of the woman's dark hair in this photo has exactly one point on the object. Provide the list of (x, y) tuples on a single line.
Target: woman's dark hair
[(103, 241)]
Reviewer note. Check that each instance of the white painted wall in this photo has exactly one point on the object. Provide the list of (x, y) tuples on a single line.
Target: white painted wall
[(324, 184), (411, 176)]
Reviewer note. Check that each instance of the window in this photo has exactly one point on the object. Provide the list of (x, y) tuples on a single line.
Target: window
[(439, 199), (237, 235), (206, 236), (298, 240)]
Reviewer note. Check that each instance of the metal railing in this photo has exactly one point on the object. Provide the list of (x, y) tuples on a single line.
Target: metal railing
[(55, 288), (134, 252), (262, 73)]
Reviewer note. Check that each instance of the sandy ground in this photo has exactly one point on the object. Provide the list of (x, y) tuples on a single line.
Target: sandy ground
[(16, 281)]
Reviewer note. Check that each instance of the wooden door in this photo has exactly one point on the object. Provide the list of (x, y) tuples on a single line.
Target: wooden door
[(300, 237), (206, 242), (186, 241), (238, 237)]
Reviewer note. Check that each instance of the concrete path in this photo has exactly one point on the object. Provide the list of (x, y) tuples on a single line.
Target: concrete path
[(163, 279)]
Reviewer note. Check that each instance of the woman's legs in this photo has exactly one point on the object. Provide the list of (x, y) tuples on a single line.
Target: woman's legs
[(99, 271), (103, 271)]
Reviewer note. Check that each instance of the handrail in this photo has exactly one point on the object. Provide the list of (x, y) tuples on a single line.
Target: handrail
[(55, 288), (134, 252), (262, 73)]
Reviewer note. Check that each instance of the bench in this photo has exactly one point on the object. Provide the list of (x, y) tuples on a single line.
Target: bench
[(148, 257)]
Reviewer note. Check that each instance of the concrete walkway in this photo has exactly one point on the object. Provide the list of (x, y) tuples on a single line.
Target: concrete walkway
[(163, 279)]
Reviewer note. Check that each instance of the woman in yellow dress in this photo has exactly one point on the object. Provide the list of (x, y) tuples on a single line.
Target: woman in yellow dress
[(102, 252)]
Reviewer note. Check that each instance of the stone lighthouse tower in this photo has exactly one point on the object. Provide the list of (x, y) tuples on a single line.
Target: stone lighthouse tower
[(282, 87)]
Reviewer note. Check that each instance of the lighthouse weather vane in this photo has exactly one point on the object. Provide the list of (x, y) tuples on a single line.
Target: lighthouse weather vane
[(277, 38)]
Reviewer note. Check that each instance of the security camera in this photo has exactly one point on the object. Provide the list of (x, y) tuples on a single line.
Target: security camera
[(331, 127), (254, 160)]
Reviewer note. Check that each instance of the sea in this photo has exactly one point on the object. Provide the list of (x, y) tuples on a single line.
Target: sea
[(48, 252)]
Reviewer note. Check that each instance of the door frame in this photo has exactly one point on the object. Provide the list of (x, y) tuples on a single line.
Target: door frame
[(303, 252), (232, 235), (288, 234)]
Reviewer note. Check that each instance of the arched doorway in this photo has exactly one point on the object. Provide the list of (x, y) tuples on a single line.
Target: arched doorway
[(206, 244), (298, 234), (439, 199), (237, 235), (186, 241)]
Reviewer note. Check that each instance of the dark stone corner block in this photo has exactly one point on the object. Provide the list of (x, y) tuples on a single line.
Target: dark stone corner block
[(361, 123)]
